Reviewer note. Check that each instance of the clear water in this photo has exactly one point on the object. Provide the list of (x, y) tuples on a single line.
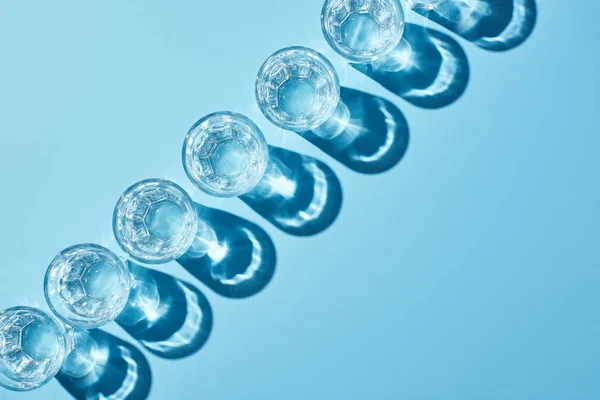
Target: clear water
[(297, 88), (297, 96), (155, 221), (32, 348), (230, 158), (87, 285), (361, 32), (40, 340), (164, 220), (225, 154), (100, 280)]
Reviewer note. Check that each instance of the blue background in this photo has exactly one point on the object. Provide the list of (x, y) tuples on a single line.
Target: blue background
[(469, 271)]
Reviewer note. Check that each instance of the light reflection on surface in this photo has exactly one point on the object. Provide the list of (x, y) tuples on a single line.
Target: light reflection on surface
[(314, 210), (496, 25), (448, 70), (374, 140), (518, 29), (104, 367), (170, 318), (238, 257), (389, 134), (428, 69), (188, 332), (298, 194)]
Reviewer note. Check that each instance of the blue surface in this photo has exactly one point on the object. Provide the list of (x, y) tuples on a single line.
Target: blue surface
[(468, 271)]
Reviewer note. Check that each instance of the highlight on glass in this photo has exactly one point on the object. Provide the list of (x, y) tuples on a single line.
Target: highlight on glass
[(425, 4), (362, 31), (297, 89), (87, 286), (155, 221), (33, 346), (225, 154)]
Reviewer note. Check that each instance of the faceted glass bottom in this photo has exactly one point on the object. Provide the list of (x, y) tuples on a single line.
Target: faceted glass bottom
[(225, 154), (87, 285), (32, 348), (155, 221), (297, 89)]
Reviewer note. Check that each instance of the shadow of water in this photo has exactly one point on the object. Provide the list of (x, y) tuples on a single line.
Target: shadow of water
[(232, 256), (104, 367), (373, 140), (170, 318), (428, 68), (298, 194), (496, 25)]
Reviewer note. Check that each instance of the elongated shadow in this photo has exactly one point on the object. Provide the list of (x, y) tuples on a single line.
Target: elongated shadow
[(232, 256), (496, 25), (170, 318), (428, 68), (373, 140), (104, 367), (298, 194)]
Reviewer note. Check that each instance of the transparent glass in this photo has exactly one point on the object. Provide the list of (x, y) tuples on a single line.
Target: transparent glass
[(84, 356), (362, 30), (427, 4), (225, 154), (155, 221), (297, 89), (33, 346), (87, 285), (455, 11)]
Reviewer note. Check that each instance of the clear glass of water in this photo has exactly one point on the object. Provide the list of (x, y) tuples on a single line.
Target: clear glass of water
[(362, 31), (297, 89), (225, 154), (33, 346), (155, 221), (87, 286)]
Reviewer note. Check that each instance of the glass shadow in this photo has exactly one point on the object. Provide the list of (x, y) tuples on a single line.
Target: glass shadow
[(428, 69), (372, 140), (496, 25), (170, 318), (298, 194), (232, 256), (105, 367)]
